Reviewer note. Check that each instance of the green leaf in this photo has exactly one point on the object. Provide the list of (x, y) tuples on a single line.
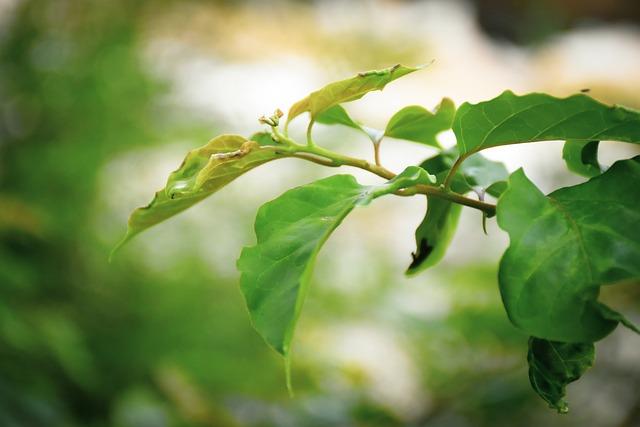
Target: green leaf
[(497, 188), (337, 115), (415, 123), (203, 172), (435, 232), (290, 231), (582, 157), (564, 246), (347, 90), (513, 119), (553, 365), (263, 138), (476, 173)]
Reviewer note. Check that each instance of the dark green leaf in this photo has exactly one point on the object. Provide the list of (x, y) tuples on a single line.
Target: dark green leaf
[(415, 123), (203, 172), (435, 232), (347, 90), (553, 365), (513, 119), (290, 231), (564, 246), (582, 157)]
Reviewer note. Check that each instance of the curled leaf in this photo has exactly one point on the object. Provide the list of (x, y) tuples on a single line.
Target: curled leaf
[(203, 172), (435, 232), (553, 365), (581, 157)]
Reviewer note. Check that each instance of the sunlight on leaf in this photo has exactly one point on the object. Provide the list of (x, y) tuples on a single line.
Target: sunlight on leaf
[(203, 172), (347, 90)]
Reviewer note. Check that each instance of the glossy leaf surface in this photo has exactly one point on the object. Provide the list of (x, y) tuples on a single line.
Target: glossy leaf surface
[(415, 123), (564, 246), (347, 90), (514, 119), (553, 365), (581, 157), (290, 231), (203, 171)]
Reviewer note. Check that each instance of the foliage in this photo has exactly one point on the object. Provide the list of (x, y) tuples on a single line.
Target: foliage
[(563, 246)]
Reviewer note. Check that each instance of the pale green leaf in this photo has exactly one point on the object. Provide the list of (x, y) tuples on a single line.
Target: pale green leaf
[(337, 115), (347, 90), (203, 171), (581, 157), (415, 123), (290, 231), (566, 245), (263, 138), (553, 365), (513, 119)]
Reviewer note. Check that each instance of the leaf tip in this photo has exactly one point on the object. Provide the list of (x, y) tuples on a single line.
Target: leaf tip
[(561, 407), (425, 65), (116, 249)]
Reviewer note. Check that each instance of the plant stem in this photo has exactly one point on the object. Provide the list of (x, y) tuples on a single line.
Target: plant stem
[(452, 172), (309, 138), (330, 158), (487, 208), (376, 153)]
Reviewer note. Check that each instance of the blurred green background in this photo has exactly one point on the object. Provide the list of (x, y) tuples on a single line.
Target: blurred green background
[(100, 100)]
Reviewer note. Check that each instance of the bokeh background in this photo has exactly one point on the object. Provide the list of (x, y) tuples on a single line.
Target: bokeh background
[(101, 99)]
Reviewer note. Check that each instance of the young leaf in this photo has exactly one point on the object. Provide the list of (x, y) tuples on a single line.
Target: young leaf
[(435, 232), (553, 365), (513, 119), (263, 138), (564, 246), (581, 157), (203, 172), (415, 123), (347, 90), (290, 231), (337, 115)]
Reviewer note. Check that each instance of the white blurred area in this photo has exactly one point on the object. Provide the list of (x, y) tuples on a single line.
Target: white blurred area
[(228, 66)]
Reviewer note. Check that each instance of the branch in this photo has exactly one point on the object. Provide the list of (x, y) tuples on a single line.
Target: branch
[(330, 158)]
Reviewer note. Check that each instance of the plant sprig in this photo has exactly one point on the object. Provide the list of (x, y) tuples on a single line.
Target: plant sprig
[(563, 246)]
